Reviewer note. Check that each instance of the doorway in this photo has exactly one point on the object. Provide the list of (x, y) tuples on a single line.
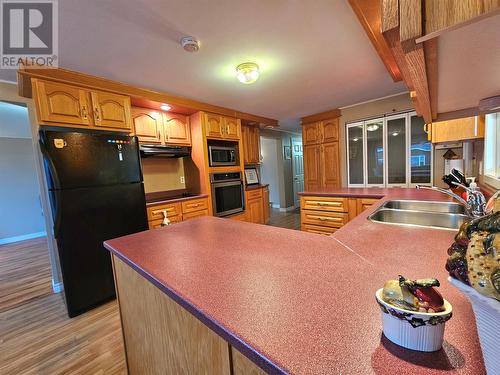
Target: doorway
[(269, 169)]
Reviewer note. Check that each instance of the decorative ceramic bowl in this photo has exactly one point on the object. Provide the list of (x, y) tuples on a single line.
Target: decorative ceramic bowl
[(411, 329), (487, 312)]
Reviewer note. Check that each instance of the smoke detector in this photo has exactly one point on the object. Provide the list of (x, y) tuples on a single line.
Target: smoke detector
[(190, 44)]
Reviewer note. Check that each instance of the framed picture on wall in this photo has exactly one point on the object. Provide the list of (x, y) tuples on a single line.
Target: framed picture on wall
[(251, 176), (287, 152)]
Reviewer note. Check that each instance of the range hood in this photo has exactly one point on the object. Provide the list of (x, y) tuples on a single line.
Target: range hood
[(164, 151)]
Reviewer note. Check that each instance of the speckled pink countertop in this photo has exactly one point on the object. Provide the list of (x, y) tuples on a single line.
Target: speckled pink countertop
[(301, 303)]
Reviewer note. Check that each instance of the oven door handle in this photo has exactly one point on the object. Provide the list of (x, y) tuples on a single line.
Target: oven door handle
[(227, 183)]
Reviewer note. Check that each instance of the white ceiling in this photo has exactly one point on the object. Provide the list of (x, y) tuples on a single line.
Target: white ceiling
[(314, 55)]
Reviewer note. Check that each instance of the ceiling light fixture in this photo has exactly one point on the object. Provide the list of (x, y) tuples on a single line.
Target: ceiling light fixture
[(395, 134), (190, 44), (165, 107), (372, 127), (247, 72), (355, 139)]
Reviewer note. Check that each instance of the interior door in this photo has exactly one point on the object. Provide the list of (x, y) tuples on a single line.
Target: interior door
[(297, 169)]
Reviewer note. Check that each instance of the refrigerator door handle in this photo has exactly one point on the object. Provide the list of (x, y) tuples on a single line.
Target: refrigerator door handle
[(56, 183)]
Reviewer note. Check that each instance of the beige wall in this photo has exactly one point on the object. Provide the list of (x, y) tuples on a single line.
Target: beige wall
[(374, 108), (162, 174)]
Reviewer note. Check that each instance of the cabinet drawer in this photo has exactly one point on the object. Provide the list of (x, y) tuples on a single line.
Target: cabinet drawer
[(192, 215), (325, 204), (153, 224), (318, 230), (254, 194), (156, 212), (330, 219), (194, 205)]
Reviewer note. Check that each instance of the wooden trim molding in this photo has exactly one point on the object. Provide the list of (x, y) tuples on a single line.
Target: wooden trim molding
[(321, 116), (185, 105)]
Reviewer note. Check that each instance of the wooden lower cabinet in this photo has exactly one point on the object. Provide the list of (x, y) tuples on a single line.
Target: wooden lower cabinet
[(257, 205), (177, 212), (324, 215), (364, 203), (168, 339)]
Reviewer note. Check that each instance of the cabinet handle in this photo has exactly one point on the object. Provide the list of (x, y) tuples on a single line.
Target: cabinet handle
[(96, 114), (83, 112), (227, 129)]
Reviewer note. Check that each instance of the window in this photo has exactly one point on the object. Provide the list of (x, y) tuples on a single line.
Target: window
[(491, 166), (389, 151)]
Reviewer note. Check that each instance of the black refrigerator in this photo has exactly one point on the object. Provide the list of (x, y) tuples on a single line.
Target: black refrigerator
[(96, 193)]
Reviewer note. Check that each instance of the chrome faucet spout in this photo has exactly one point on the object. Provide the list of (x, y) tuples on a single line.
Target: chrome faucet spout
[(467, 206)]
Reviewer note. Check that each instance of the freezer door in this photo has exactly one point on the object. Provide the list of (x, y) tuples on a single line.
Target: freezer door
[(86, 218), (84, 159)]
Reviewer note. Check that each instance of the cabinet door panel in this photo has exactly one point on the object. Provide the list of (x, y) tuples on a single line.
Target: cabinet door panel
[(330, 164), (458, 130), (311, 134), (177, 129), (61, 103), (255, 211), (147, 125), (265, 201), (111, 110), (231, 128), (312, 170), (213, 125), (330, 130)]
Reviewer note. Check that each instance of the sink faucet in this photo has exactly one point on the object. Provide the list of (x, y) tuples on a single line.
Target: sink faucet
[(475, 204)]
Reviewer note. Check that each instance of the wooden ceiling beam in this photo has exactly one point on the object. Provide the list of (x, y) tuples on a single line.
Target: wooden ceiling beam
[(368, 13), (93, 82)]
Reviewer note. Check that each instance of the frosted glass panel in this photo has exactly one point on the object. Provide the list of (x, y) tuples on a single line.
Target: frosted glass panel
[(420, 153), (375, 152), (396, 151), (355, 137)]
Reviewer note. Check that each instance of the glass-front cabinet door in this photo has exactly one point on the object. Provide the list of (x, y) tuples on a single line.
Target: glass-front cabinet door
[(355, 154), (420, 153), (397, 154), (375, 152)]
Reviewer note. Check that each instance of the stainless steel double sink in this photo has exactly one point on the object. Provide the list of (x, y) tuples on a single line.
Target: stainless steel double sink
[(428, 214)]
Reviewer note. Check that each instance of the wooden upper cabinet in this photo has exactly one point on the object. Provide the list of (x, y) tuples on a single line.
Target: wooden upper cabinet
[(329, 161), (457, 130), (111, 110), (213, 125), (231, 128), (330, 130), (311, 133), (177, 129), (251, 144), (312, 167), (147, 124), (62, 104)]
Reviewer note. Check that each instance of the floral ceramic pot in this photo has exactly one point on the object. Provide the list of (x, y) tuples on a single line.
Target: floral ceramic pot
[(412, 329)]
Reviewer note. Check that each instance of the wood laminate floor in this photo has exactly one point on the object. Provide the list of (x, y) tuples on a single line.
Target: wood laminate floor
[(290, 220), (36, 335)]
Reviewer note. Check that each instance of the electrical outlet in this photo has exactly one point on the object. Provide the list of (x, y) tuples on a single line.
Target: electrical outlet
[(182, 180)]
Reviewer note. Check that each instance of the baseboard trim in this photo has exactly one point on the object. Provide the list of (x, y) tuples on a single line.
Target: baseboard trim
[(4, 241), (57, 287), (287, 209)]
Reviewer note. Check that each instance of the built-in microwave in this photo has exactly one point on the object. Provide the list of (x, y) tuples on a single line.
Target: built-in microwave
[(227, 193), (222, 155)]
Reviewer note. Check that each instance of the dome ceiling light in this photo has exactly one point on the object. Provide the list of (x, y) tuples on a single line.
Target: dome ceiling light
[(247, 72), (372, 127)]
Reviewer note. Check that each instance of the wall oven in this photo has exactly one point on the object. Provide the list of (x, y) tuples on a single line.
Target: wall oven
[(227, 193), (222, 155)]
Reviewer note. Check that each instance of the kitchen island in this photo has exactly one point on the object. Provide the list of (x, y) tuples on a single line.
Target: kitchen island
[(219, 296)]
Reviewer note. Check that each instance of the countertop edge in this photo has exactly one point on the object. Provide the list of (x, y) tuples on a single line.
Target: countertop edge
[(175, 200), (252, 354)]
